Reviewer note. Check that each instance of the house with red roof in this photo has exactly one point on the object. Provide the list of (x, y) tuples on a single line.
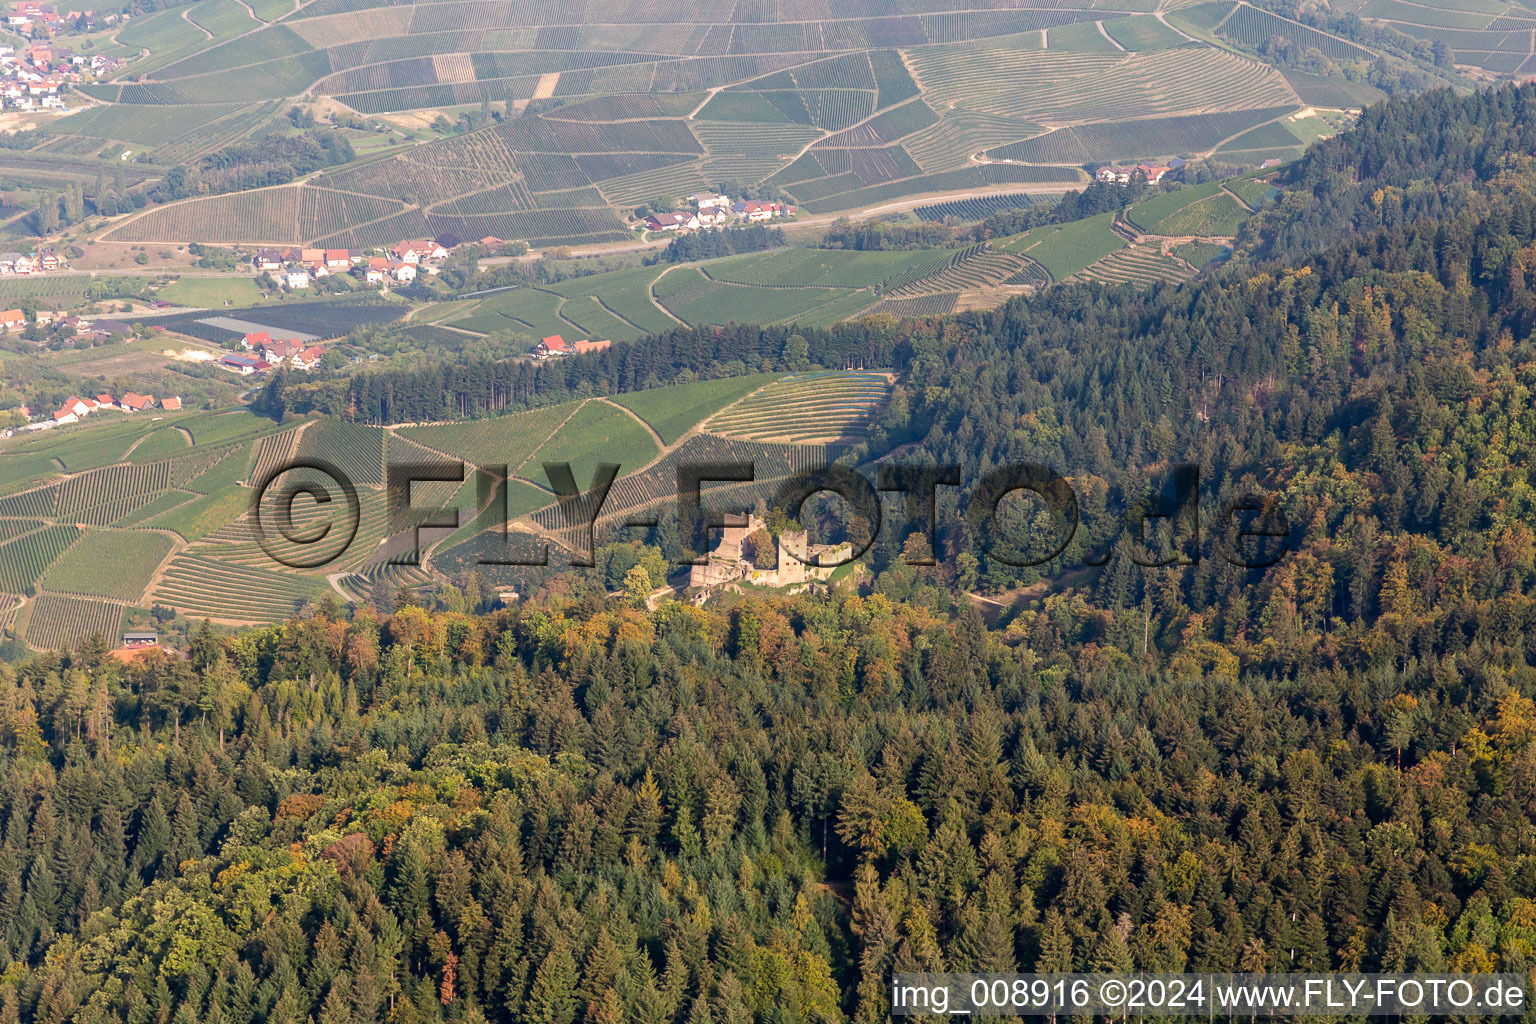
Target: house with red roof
[(281, 349), (13, 319), (255, 341), (554, 345), (171, 404), (584, 346), (135, 402), (309, 358)]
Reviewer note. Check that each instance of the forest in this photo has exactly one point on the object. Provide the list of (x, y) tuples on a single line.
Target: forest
[(576, 809)]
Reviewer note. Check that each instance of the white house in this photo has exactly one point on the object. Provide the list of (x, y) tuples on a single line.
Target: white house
[(297, 279)]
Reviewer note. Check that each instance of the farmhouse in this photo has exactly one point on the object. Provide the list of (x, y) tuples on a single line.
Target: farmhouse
[(140, 639), (308, 359), (297, 279), (549, 347), (757, 210), (414, 251), (253, 342), (64, 416), (135, 402), (584, 346), (281, 350), (338, 257), (106, 401), (244, 365), (1123, 175), (680, 220), (710, 201), (171, 404), (12, 319), (404, 272)]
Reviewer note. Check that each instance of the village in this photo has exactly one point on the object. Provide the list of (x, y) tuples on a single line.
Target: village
[(37, 78), (295, 267), (74, 409), (710, 209)]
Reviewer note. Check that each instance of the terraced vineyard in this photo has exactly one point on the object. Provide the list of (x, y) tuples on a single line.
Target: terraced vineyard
[(208, 588), (811, 408), (980, 266), (935, 304), (1142, 263)]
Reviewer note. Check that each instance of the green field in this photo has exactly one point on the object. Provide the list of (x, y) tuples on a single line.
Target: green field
[(197, 518), (1199, 254), (218, 428), (626, 293), (500, 440), (211, 292), (165, 34), (109, 563), (1065, 249), (166, 442), (1205, 210), (695, 299), (1143, 32), (598, 432), (817, 267), (1079, 37), (672, 411)]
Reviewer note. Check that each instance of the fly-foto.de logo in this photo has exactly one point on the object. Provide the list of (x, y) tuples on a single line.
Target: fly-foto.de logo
[(306, 514)]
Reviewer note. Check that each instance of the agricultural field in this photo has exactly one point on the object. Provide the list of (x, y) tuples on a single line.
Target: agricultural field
[(1205, 211), (808, 408), (1066, 249), (316, 321), (586, 122), (1200, 255), (672, 411), (210, 292), (109, 563), (689, 294), (598, 432), (1141, 263), (58, 622)]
